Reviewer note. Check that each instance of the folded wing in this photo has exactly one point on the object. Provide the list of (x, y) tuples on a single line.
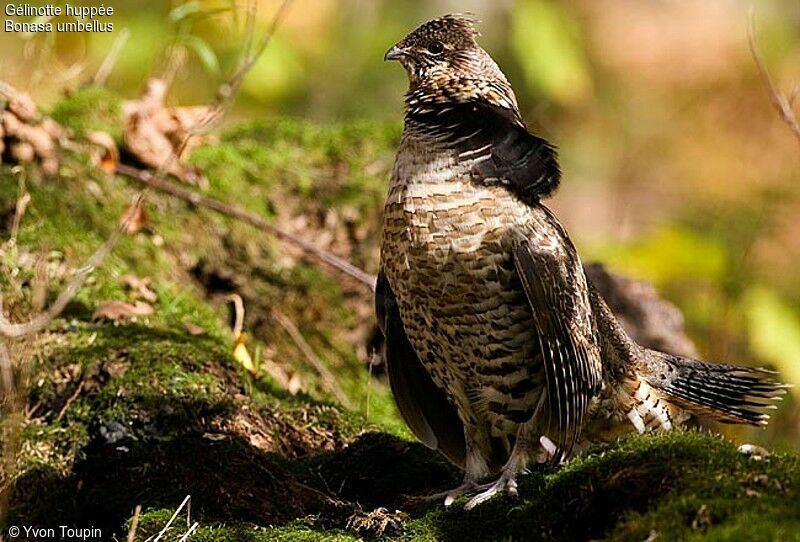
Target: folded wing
[(423, 404), (556, 290)]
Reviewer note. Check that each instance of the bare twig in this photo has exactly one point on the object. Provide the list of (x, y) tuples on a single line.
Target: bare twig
[(238, 312), (134, 524), (328, 379), (22, 203), (6, 372), (111, 58), (793, 95), (175, 515), (249, 29), (227, 92), (37, 323), (190, 532), (779, 100), (71, 400), (12, 417), (254, 219)]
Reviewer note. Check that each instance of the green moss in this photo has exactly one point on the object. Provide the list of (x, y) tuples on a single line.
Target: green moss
[(338, 166), (161, 414), (347, 166), (151, 523), (679, 485), (91, 108)]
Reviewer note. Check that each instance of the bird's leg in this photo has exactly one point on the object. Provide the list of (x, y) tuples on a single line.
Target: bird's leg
[(507, 483), (526, 445), (476, 468)]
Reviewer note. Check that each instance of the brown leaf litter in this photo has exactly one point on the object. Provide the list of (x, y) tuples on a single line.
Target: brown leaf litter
[(161, 137), (118, 310), (26, 136)]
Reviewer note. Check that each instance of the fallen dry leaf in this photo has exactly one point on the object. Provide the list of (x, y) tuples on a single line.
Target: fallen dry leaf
[(193, 329), (103, 153), (136, 217), (116, 310), (159, 136), (242, 355), (140, 286), (22, 152), (295, 384), (27, 135), (23, 106)]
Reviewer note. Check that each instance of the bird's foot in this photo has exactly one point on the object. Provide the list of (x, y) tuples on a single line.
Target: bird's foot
[(469, 486), (507, 483), (449, 496)]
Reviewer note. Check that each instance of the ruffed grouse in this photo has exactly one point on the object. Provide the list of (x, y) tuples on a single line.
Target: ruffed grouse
[(498, 350)]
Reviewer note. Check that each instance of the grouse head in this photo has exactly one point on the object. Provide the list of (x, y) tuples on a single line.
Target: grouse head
[(446, 65)]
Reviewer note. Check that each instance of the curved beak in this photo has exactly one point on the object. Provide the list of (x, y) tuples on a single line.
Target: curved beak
[(395, 53)]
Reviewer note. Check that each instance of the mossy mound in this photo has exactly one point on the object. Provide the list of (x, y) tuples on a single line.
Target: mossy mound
[(155, 415), (674, 487), (143, 411)]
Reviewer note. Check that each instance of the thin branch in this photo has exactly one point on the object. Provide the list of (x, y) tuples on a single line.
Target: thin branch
[(238, 313), (10, 407), (22, 204), (254, 219), (249, 29), (39, 322), (72, 399), (175, 515), (134, 524), (327, 376), (111, 58), (778, 99), (227, 92), (190, 532), (793, 95), (6, 372)]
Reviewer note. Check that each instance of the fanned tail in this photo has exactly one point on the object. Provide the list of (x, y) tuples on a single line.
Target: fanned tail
[(726, 393)]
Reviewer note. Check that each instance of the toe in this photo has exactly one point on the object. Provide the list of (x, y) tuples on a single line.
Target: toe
[(480, 498), (463, 489), (511, 488), (503, 485)]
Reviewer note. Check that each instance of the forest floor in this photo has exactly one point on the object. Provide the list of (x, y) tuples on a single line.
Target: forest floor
[(142, 406)]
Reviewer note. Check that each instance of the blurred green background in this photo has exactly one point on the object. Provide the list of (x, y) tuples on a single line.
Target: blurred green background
[(677, 168)]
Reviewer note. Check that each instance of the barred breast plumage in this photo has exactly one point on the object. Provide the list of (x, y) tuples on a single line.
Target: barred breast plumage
[(447, 251)]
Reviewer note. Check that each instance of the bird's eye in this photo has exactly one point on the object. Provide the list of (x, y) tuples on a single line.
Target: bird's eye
[(436, 47)]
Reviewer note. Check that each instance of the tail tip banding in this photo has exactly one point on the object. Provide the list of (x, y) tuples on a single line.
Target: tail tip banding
[(727, 393)]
